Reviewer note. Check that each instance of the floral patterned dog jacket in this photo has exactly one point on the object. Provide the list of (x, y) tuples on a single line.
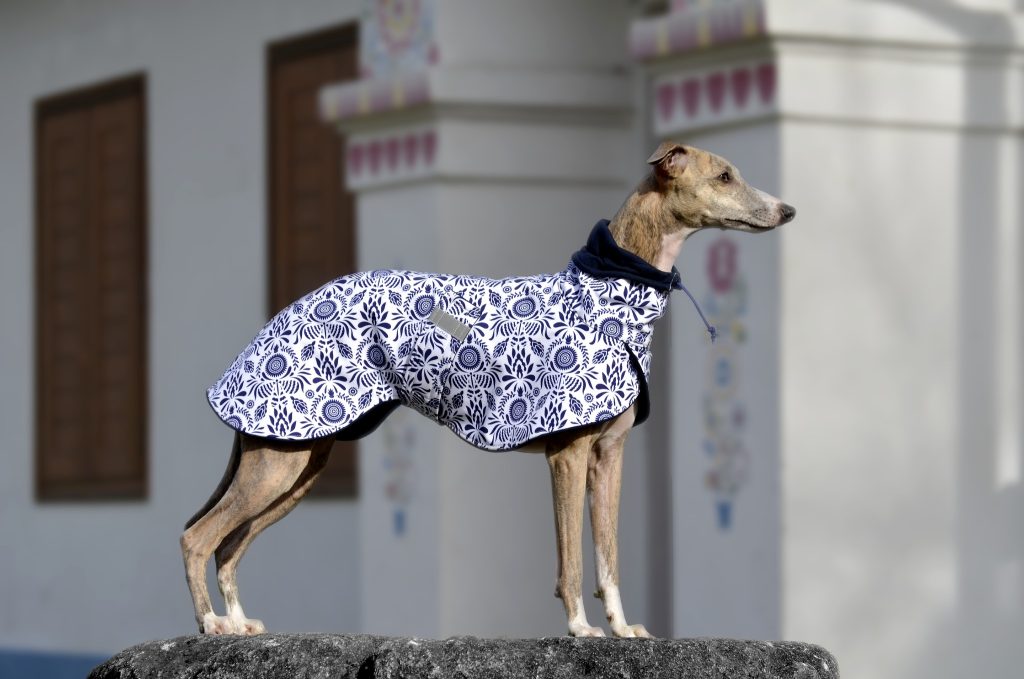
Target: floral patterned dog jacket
[(499, 362)]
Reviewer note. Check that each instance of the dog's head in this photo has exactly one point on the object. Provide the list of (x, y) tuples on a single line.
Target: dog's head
[(699, 189)]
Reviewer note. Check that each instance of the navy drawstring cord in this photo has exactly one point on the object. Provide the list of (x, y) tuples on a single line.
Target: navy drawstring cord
[(711, 328)]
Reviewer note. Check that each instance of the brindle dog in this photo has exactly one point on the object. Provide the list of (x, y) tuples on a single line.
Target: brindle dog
[(686, 190)]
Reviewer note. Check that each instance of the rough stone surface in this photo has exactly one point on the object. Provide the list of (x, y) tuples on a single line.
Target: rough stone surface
[(274, 656)]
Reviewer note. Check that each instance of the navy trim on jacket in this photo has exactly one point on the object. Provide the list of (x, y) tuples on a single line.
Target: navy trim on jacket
[(602, 257)]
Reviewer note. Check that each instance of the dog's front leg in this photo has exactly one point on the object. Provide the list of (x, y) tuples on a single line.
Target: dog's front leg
[(604, 481), (568, 464)]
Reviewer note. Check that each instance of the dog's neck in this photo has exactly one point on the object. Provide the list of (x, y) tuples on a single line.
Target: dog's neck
[(646, 228)]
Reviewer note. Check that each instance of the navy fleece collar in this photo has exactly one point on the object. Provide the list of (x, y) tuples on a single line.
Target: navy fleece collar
[(602, 257)]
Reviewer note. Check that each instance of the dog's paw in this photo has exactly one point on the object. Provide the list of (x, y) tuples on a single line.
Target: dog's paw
[(641, 632), (250, 627), (585, 631), (632, 631), (218, 624)]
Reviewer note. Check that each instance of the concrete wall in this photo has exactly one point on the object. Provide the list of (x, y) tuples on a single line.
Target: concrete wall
[(96, 577)]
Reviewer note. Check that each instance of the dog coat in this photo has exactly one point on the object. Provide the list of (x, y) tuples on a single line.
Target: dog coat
[(499, 362)]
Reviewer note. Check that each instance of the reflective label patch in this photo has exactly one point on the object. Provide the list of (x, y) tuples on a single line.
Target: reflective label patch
[(449, 324)]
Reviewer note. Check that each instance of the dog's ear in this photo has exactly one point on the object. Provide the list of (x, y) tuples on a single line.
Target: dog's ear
[(669, 159)]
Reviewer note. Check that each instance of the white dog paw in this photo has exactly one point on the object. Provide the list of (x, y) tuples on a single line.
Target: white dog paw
[(218, 624), (585, 631), (631, 631), (250, 627), (641, 632)]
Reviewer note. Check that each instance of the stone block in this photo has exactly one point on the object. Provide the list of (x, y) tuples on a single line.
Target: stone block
[(335, 656)]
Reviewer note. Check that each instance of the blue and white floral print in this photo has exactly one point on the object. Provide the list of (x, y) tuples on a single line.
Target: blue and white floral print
[(543, 354)]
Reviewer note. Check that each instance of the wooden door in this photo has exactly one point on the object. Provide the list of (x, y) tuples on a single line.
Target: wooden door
[(312, 216), (91, 293)]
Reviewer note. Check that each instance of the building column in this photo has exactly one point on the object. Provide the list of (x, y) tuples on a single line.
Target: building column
[(485, 138), (889, 400), (723, 437)]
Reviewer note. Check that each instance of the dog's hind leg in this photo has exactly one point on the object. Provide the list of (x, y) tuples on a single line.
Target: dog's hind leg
[(568, 463), (604, 482), (234, 546), (262, 476), (225, 481)]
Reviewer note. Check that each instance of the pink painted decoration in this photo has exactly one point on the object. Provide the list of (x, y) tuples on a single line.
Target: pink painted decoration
[(726, 19), (765, 77), (691, 96), (722, 260), (741, 86), (374, 156), (429, 146), (716, 90), (391, 153), (666, 100), (355, 159), (412, 148)]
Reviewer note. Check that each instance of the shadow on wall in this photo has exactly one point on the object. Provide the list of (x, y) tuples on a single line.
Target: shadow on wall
[(985, 627), (990, 497)]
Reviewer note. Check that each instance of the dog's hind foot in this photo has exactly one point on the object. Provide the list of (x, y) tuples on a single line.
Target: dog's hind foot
[(585, 630), (631, 631), (218, 624), (250, 626), (226, 624)]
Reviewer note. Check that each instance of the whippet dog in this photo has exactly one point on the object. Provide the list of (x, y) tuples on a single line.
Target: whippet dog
[(556, 363)]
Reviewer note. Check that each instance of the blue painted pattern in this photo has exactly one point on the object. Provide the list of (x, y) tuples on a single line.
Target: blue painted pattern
[(544, 353)]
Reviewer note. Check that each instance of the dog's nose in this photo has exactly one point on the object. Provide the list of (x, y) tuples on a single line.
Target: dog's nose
[(788, 212)]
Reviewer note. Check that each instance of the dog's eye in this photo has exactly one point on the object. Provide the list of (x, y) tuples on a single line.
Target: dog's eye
[(725, 177)]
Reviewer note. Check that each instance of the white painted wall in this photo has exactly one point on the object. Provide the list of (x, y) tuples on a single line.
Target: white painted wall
[(869, 393), (900, 345), (97, 577)]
